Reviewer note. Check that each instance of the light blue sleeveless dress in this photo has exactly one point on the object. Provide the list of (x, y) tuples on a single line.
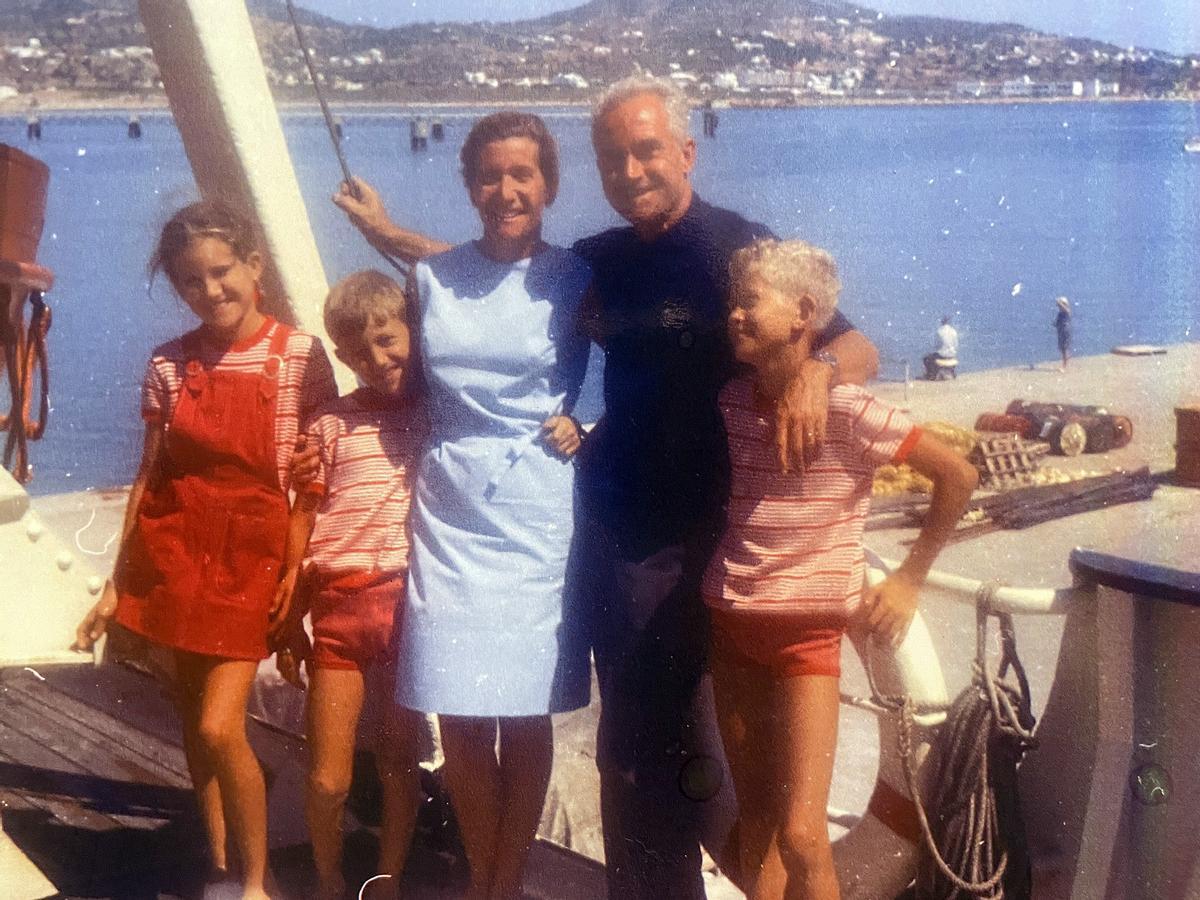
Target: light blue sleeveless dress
[(483, 631)]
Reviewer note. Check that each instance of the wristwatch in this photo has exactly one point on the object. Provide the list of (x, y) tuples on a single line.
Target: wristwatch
[(830, 359)]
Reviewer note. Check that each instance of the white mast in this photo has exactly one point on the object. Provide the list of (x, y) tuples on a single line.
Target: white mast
[(214, 79)]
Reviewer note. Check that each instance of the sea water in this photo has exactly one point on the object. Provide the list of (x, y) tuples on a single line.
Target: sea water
[(982, 212)]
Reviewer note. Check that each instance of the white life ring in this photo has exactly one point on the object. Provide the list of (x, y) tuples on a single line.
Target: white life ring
[(877, 858)]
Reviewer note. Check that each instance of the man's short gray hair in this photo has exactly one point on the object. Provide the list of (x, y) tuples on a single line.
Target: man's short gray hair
[(672, 96)]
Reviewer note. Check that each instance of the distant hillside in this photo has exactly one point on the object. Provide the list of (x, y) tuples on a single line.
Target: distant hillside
[(40, 13), (766, 51), (658, 10)]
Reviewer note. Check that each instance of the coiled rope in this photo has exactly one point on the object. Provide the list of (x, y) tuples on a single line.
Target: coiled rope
[(25, 351), (975, 845)]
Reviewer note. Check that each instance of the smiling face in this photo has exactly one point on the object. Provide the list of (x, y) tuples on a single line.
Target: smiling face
[(510, 193), (764, 320), (381, 357), (643, 164), (218, 286)]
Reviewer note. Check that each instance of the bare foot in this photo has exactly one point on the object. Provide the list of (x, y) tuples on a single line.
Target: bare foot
[(332, 889)]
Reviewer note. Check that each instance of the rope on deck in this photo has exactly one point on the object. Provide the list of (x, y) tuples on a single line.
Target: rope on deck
[(975, 844), (24, 356)]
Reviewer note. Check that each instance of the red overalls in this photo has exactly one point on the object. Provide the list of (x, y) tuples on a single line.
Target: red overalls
[(202, 563)]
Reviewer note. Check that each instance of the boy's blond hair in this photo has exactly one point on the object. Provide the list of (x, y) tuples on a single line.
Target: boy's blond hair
[(361, 298), (795, 268)]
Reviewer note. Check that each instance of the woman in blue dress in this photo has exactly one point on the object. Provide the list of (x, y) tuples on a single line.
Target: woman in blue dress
[(484, 641)]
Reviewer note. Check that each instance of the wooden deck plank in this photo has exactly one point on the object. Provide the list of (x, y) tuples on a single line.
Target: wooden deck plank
[(107, 742), (131, 697), (24, 757), (94, 793), (85, 768)]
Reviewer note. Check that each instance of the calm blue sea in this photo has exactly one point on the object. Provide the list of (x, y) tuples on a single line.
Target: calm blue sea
[(929, 211)]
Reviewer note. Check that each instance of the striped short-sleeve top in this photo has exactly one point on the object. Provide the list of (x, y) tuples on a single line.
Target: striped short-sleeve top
[(793, 541), (305, 381), (368, 445)]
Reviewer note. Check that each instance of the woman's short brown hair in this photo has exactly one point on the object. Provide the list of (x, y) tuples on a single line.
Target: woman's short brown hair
[(501, 126)]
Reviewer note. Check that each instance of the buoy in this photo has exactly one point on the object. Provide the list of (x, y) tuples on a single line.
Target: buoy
[(877, 857), (1097, 430), (1067, 438), (134, 129)]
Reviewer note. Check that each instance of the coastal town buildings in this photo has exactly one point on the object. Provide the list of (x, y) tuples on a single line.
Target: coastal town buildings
[(719, 53)]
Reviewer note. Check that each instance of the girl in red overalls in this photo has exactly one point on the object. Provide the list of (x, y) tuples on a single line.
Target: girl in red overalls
[(206, 524)]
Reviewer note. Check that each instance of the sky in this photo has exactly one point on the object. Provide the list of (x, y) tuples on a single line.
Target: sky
[(1172, 25)]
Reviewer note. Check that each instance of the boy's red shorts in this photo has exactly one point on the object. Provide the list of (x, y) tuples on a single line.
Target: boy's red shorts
[(787, 644), (354, 615)]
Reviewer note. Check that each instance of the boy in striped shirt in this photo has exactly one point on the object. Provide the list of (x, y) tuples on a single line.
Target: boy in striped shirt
[(787, 576), (349, 533)]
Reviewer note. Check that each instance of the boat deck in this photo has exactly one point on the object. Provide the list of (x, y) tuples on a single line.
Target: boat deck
[(94, 790)]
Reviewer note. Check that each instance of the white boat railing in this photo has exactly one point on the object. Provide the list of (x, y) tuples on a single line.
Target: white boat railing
[(1113, 772), (1003, 598)]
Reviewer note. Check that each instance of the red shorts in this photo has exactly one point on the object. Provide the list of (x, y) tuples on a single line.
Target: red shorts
[(787, 644), (354, 617)]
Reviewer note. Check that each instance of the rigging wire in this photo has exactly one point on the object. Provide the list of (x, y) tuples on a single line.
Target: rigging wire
[(331, 126)]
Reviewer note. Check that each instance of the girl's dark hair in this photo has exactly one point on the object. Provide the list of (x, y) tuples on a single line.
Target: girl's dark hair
[(508, 124), (205, 218)]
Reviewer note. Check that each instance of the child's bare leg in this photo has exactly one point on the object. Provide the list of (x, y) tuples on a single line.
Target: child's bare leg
[(396, 761), (204, 779), (526, 757), (744, 714), (334, 703), (222, 734), (473, 778), (807, 741)]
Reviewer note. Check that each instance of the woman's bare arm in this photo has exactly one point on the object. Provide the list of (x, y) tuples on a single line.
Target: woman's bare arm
[(367, 213)]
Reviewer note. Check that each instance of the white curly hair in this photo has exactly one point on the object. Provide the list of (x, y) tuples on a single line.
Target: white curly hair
[(795, 268), (672, 96)]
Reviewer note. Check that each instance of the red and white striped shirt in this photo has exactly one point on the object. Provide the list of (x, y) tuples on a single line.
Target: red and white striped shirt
[(305, 382), (793, 541), (369, 447)]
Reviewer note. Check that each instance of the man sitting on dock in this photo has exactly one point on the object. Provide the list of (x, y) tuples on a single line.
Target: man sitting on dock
[(945, 356), (654, 477)]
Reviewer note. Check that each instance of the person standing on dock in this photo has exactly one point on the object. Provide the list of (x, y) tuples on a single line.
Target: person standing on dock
[(657, 306), (488, 641), (1062, 327), (346, 562), (206, 524), (787, 578)]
